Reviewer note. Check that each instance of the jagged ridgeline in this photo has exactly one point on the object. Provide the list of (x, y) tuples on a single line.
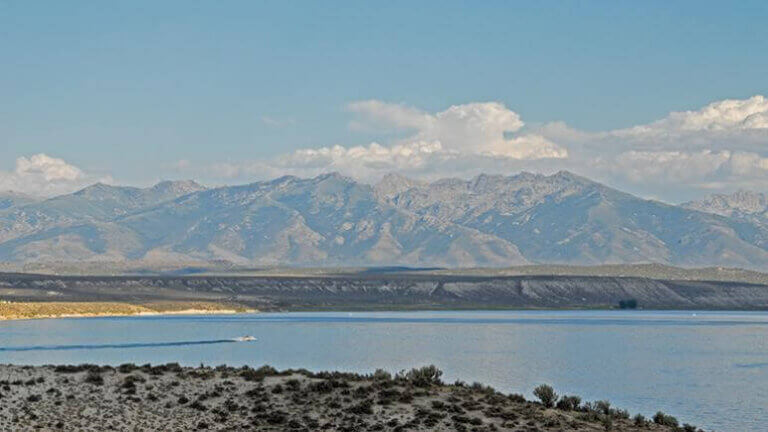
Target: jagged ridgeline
[(332, 220)]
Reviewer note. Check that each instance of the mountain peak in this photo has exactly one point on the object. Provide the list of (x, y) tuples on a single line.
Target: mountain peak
[(100, 189), (567, 175), (178, 187), (739, 203), (334, 177), (393, 184)]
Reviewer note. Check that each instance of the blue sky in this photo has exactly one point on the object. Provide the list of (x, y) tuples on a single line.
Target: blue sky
[(127, 90)]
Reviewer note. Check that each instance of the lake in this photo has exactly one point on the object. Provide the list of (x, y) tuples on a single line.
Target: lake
[(706, 368)]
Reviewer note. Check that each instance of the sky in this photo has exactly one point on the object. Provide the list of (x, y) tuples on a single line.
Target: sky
[(666, 100)]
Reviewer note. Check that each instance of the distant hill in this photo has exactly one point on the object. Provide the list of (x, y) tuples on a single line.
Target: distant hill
[(332, 220), (742, 205)]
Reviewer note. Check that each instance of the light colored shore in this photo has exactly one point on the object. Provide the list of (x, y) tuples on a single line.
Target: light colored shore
[(47, 310)]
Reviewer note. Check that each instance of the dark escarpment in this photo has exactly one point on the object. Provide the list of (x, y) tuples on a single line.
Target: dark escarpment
[(393, 291)]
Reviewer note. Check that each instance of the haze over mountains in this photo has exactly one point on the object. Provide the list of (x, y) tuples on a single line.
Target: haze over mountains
[(331, 220)]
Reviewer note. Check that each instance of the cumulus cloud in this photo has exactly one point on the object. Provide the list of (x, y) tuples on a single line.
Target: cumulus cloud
[(464, 139), (721, 146), (43, 175), (359, 161), (725, 115), (682, 166), (475, 128)]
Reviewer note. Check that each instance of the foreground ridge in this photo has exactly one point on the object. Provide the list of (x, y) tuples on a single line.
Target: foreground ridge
[(174, 398)]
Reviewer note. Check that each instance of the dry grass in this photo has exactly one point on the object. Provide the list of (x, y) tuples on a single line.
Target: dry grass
[(29, 310)]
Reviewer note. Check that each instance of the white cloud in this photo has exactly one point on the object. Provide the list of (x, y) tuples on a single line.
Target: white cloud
[(277, 122), (678, 171), (461, 140), (388, 114), (42, 175), (725, 115), (722, 146), (474, 128)]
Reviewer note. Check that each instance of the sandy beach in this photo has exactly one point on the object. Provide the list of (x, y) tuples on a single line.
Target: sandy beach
[(42, 310)]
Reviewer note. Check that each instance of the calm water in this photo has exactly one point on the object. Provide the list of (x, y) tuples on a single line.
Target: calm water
[(706, 368)]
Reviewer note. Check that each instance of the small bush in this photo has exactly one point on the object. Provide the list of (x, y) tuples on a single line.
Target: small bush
[(325, 386), (382, 375), (424, 377), (131, 380), (640, 420), (94, 378), (249, 374), (620, 413), (628, 304), (546, 395), (198, 406), (293, 384), (364, 407), (127, 368), (603, 407), (607, 423), (569, 403), (664, 420)]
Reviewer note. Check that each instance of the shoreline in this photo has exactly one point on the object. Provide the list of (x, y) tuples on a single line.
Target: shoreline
[(15, 311), (115, 315), (354, 310), (175, 398)]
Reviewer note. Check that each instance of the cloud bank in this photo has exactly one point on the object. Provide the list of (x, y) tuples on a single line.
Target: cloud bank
[(720, 147)]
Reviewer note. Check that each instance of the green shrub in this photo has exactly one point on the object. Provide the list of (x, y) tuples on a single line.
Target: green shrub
[(607, 423), (249, 374), (569, 403), (424, 377), (664, 420), (293, 384), (94, 377), (546, 395), (603, 407), (640, 420), (628, 304), (620, 413), (382, 375), (325, 386), (364, 407)]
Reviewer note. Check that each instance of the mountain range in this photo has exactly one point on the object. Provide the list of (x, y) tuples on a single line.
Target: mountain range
[(332, 220)]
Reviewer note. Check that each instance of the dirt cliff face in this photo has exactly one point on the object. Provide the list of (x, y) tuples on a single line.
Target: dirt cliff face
[(394, 291)]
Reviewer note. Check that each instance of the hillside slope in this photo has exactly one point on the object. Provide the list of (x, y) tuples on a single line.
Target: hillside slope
[(332, 220)]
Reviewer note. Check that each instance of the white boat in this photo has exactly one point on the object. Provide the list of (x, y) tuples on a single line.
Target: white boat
[(245, 339)]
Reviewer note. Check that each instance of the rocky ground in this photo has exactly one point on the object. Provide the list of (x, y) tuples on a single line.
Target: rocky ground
[(174, 398)]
